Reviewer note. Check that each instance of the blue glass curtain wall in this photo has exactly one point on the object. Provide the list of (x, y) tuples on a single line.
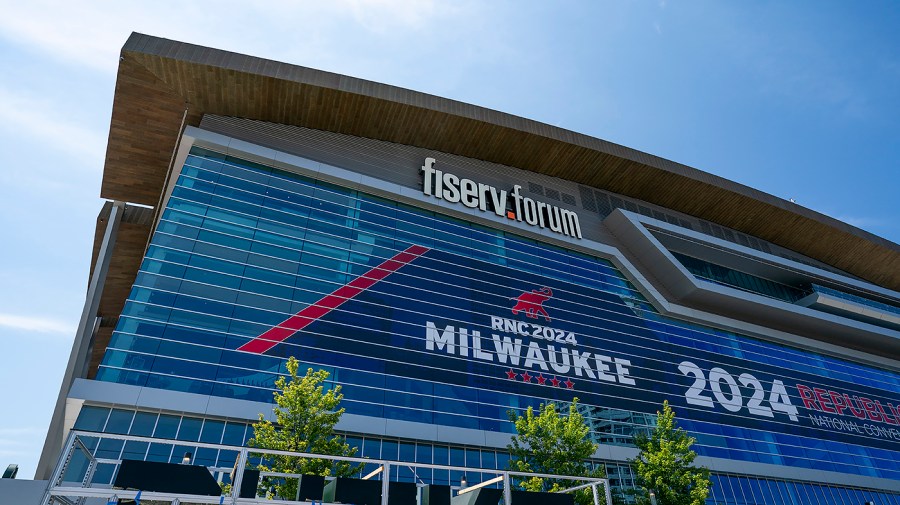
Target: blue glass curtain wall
[(740, 280), (242, 247)]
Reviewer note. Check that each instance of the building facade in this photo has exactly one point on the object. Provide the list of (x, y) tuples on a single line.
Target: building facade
[(447, 277)]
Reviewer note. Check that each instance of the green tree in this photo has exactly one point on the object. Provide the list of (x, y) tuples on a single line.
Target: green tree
[(550, 443), (665, 464), (305, 416)]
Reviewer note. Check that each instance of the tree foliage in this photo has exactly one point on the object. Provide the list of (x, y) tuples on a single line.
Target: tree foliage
[(664, 465), (550, 443), (305, 416)]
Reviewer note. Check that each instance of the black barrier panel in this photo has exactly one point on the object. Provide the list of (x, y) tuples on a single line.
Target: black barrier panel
[(249, 484), (482, 496), (356, 491), (532, 498), (166, 478), (311, 488), (434, 494), (402, 493)]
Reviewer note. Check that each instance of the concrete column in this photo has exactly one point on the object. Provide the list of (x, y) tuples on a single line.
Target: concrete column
[(79, 357)]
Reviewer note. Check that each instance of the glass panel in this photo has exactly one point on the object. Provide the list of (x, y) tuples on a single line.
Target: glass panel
[(166, 426), (135, 450), (212, 431), (109, 449), (389, 450), (103, 474), (371, 448), (206, 456), (91, 418), (234, 433), (143, 424), (182, 452), (190, 429), (119, 421)]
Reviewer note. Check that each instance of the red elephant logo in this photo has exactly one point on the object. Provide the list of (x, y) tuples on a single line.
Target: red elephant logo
[(533, 303)]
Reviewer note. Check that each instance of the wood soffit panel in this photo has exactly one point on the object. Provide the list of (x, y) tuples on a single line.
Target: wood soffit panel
[(159, 79), (134, 233)]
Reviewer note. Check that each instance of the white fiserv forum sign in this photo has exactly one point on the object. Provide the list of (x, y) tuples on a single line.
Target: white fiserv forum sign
[(511, 205)]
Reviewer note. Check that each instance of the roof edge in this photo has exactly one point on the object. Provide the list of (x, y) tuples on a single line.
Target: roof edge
[(168, 73)]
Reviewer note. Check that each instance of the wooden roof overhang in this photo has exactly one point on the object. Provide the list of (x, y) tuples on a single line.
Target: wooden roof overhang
[(163, 85)]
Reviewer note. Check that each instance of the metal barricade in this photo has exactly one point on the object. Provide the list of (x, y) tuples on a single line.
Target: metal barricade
[(71, 485)]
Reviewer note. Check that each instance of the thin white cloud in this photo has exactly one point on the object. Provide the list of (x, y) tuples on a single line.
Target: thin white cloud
[(91, 33), (35, 324), (36, 117), (75, 32), (17, 443), (381, 15), (14, 436), (797, 66), (862, 222)]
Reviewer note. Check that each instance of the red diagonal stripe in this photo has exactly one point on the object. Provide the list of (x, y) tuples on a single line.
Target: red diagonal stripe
[(330, 302)]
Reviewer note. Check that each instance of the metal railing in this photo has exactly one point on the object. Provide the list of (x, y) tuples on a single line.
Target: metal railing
[(71, 483)]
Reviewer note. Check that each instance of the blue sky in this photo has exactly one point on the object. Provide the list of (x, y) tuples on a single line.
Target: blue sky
[(798, 99)]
